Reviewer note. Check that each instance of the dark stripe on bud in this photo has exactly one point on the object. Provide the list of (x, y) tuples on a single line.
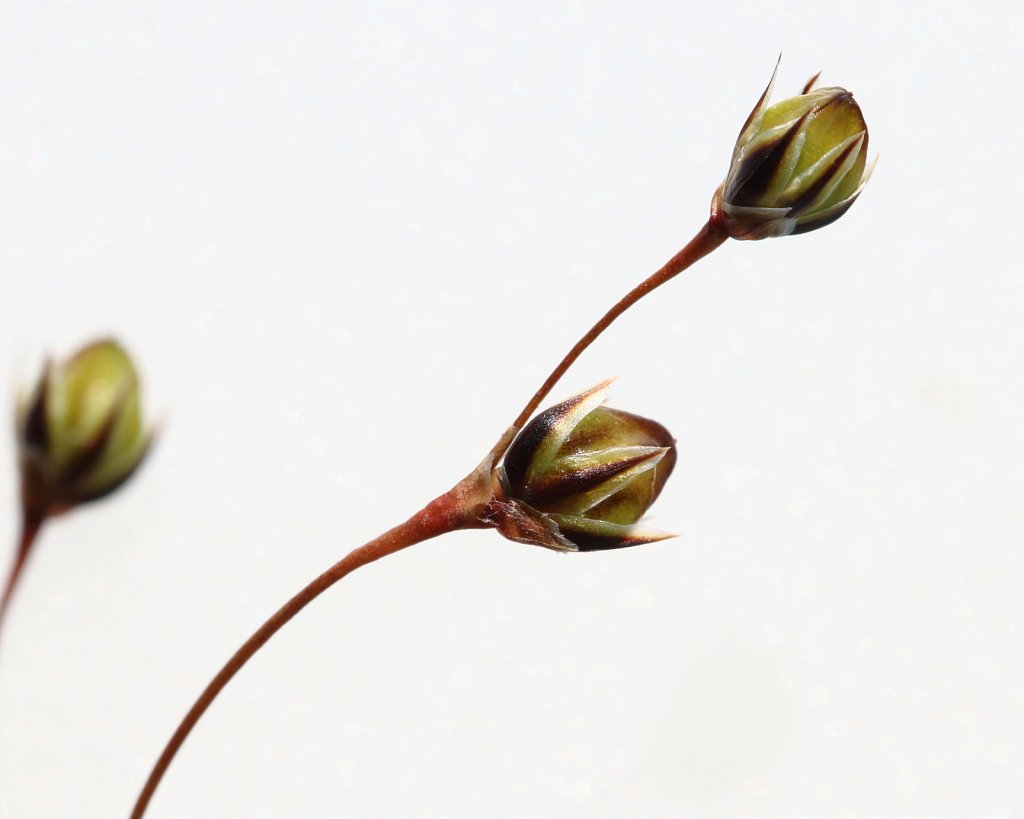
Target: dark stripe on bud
[(34, 432), (755, 174), (517, 461), (87, 458), (824, 179), (558, 487)]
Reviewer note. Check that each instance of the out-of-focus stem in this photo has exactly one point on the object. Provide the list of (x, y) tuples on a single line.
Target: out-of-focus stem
[(30, 526)]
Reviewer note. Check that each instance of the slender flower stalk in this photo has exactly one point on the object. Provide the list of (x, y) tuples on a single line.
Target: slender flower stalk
[(708, 238), (460, 508)]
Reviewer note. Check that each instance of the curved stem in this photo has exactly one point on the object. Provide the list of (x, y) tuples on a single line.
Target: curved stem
[(451, 511), (707, 239), (30, 527), (460, 508)]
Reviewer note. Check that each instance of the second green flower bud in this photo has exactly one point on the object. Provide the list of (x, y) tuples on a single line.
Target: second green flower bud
[(580, 475), (798, 165)]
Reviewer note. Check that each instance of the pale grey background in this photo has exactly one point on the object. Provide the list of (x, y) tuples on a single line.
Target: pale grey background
[(345, 242)]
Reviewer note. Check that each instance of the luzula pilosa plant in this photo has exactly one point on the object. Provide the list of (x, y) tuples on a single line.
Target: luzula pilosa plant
[(579, 476), (80, 436)]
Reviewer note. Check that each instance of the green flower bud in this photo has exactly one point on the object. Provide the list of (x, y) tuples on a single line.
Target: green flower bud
[(80, 433), (798, 165), (580, 475)]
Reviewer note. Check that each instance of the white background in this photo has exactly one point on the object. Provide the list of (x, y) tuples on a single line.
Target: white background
[(346, 242)]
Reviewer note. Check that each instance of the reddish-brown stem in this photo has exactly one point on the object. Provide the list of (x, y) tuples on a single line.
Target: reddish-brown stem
[(30, 526), (707, 239), (457, 509), (460, 508)]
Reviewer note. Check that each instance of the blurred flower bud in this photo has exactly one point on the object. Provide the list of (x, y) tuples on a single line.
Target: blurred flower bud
[(798, 165), (80, 433), (580, 475)]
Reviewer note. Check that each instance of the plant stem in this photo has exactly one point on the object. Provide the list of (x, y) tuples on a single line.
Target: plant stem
[(459, 508), (30, 526), (707, 239), (456, 509)]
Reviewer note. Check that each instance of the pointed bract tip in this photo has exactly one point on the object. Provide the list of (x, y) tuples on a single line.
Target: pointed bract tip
[(809, 85)]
